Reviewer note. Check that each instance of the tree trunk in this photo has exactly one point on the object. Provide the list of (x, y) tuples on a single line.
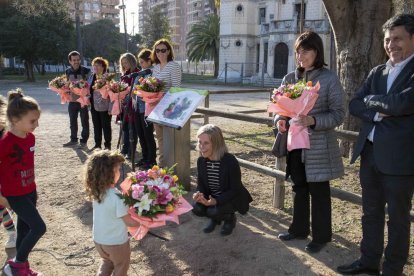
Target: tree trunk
[(216, 65), (43, 71), (28, 65), (357, 27), (403, 6)]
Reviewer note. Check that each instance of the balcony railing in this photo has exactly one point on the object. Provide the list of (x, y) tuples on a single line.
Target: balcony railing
[(292, 26)]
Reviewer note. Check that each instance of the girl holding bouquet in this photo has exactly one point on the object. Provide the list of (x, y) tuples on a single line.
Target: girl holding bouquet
[(128, 65), (220, 192), (17, 178), (110, 215), (144, 128), (100, 107), (169, 71), (312, 169)]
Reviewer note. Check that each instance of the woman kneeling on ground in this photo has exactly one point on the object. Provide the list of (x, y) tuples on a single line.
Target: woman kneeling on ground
[(220, 192)]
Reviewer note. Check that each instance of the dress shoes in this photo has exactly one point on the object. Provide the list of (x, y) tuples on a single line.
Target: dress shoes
[(211, 226), (290, 236), (314, 247), (357, 268)]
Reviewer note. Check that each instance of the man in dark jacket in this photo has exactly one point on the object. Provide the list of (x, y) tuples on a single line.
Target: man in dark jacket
[(77, 72), (385, 105)]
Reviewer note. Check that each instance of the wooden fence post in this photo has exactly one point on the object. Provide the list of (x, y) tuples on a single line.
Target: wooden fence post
[(279, 185), (206, 105), (177, 150)]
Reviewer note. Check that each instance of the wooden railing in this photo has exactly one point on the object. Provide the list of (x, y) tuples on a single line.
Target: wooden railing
[(278, 173)]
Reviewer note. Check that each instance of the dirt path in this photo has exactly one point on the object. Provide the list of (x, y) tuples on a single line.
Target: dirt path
[(253, 248)]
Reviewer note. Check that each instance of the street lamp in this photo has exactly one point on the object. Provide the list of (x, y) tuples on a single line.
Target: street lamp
[(133, 23), (123, 7)]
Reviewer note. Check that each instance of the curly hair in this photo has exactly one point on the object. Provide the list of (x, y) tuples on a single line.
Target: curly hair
[(98, 173)]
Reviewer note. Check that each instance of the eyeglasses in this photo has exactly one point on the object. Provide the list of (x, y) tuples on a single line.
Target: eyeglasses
[(161, 50)]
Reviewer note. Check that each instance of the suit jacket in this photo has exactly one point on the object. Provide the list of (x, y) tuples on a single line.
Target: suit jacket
[(394, 135), (232, 189)]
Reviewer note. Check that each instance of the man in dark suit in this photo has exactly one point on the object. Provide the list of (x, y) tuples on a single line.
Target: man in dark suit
[(385, 105)]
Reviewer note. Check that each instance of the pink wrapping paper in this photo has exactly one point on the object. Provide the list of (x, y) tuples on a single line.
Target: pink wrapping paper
[(146, 223), (82, 93), (63, 93), (117, 98), (151, 99), (298, 136), (104, 91)]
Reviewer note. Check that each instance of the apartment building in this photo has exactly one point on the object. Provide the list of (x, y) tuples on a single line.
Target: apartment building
[(93, 10)]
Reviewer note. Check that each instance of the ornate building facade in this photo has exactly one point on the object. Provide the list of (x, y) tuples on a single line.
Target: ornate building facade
[(261, 35)]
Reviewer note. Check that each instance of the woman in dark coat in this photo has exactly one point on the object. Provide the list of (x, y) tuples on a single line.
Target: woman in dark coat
[(220, 192)]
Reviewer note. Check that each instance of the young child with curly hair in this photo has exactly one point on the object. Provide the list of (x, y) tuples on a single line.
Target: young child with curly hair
[(110, 215)]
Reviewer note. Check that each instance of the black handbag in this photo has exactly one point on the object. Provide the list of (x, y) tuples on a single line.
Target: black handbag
[(279, 148)]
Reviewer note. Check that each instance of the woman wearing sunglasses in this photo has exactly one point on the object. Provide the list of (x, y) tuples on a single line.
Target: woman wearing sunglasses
[(169, 71)]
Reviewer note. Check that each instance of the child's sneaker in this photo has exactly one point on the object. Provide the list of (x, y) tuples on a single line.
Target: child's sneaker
[(11, 243), (13, 268)]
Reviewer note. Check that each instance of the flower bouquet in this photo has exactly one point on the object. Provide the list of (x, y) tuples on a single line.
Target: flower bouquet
[(154, 196), (101, 84), (117, 91), (80, 88), (151, 91), (60, 85), (292, 100)]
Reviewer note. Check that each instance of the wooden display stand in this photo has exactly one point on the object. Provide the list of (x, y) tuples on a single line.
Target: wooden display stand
[(177, 151)]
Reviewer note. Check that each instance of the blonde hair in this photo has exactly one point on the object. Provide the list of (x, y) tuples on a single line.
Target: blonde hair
[(2, 113), (98, 173), (216, 139), (131, 60), (19, 105)]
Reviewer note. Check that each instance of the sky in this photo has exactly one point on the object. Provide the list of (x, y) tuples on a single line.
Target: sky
[(131, 19)]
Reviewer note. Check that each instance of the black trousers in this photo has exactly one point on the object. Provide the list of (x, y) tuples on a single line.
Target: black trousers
[(379, 189), (218, 212), (145, 131), (316, 193), (74, 109), (30, 225), (102, 123)]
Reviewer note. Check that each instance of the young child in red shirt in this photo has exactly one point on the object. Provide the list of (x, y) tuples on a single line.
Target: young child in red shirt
[(17, 178)]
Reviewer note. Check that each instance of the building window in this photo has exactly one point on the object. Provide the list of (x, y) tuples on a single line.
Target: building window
[(297, 11), (238, 43), (262, 15), (87, 6), (239, 8)]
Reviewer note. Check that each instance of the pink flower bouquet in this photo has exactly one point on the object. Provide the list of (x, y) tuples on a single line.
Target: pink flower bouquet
[(60, 85), (292, 100), (101, 84), (154, 197), (117, 91), (151, 91), (80, 88)]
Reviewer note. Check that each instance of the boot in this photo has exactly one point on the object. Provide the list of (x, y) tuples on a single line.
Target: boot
[(211, 226), (229, 224)]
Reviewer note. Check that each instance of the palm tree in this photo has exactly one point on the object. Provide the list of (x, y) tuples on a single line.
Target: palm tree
[(203, 41)]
